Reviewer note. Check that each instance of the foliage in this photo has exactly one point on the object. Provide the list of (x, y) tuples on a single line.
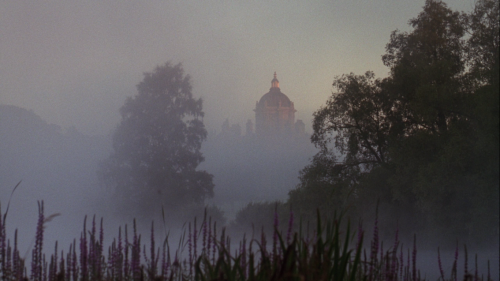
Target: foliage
[(333, 252), (357, 117), (257, 215), (157, 144), (324, 184), (423, 140)]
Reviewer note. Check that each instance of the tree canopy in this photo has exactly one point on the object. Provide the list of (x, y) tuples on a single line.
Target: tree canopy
[(425, 139), (156, 146)]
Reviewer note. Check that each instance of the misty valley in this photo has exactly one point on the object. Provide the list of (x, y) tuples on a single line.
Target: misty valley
[(398, 178)]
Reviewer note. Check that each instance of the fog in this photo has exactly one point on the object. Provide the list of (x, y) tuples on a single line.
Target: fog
[(253, 169), (58, 166), (66, 68), (74, 63)]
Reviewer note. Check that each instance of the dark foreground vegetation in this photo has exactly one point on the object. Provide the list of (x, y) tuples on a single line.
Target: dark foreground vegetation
[(330, 251)]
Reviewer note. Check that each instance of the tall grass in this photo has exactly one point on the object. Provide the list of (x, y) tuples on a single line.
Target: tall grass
[(333, 252)]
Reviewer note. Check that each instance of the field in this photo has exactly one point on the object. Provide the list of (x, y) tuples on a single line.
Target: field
[(333, 251)]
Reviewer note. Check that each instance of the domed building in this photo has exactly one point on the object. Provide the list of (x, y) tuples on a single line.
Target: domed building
[(274, 112)]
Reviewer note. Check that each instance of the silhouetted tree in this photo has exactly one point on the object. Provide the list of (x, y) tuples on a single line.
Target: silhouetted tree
[(424, 139), (156, 146)]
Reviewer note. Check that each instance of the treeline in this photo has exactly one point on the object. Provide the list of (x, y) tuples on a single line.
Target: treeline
[(423, 142)]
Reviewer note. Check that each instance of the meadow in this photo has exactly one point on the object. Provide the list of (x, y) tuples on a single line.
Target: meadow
[(333, 250)]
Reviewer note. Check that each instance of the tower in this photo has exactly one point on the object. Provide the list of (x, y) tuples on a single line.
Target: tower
[(274, 112)]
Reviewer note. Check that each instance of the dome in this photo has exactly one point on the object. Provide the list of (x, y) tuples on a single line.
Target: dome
[(274, 97), (274, 112)]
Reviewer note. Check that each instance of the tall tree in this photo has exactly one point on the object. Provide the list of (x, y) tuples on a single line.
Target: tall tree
[(156, 146), (482, 47), (424, 139), (483, 60), (441, 79), (426, 66), (356, 114)]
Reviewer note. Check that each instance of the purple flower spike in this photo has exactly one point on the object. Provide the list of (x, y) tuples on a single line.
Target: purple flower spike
[(275, 234), (36, 262), (401, 262), (209, 240), (195, 237), (136, 254), (290, 228), (440, 265), (153, 258), (408, 261), (92, 248), (126, 268), (2, 238), (204, 226), (454, 269), (83, 252), (55, 259), (74, 261), (190, 249), (414, 257), (382, 251), (393, 273), (214, 242), (163, 261), (15, 256), (374, 246), (119, 252), (8, 263), (465, 264)]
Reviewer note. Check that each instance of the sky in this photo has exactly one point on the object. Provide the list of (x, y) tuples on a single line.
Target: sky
[(74, 62)]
